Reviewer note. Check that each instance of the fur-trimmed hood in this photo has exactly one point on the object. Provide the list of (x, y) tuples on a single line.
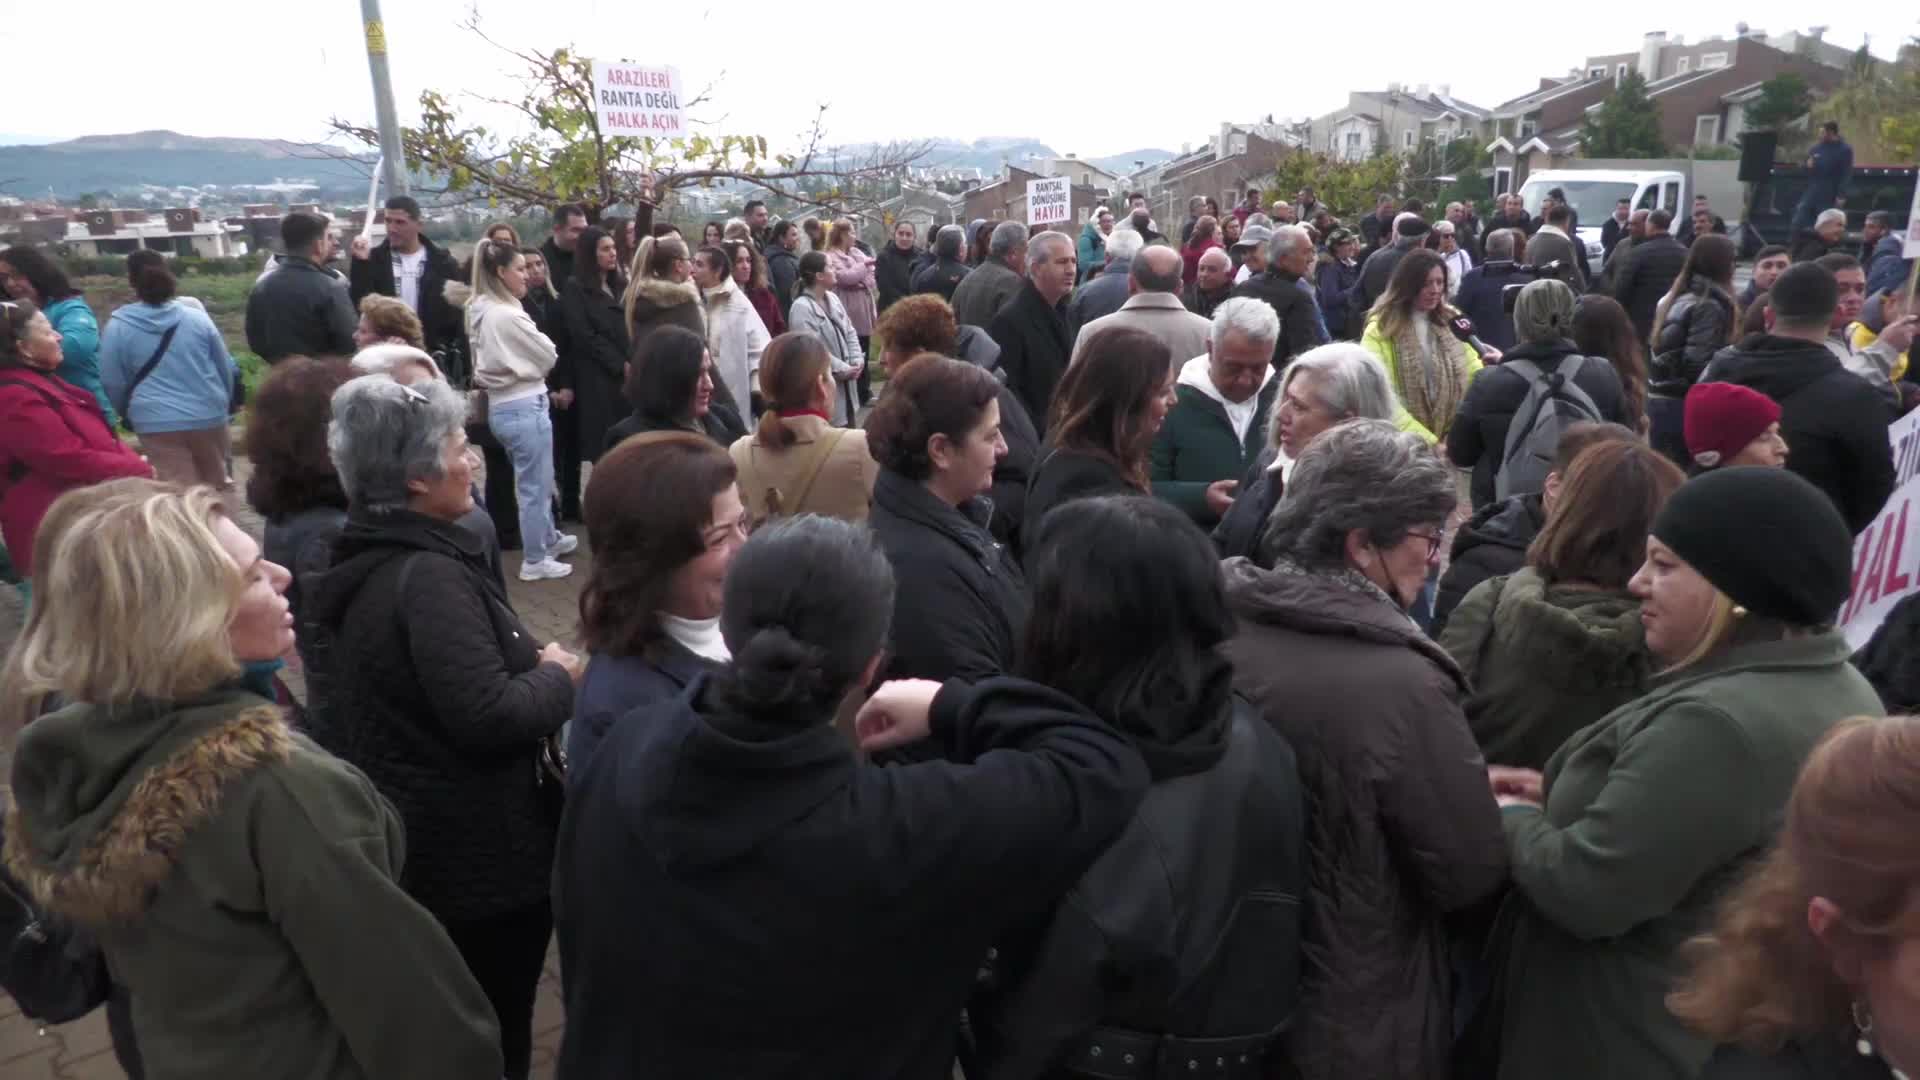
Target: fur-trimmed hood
[(1576, 638), (662, 293), (104, 798)]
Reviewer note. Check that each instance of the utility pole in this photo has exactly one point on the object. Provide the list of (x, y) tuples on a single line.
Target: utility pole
[(383, 111)]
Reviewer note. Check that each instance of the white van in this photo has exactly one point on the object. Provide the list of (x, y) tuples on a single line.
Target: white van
[(1593, 192)]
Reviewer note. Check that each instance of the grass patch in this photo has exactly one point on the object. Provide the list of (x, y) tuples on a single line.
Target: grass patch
[(224, 296)]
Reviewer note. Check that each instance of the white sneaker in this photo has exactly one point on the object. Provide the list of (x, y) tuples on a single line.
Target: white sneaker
[(545, 570), (566, 545)]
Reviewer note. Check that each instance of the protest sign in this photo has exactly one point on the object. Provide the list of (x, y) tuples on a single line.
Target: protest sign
[(1910, 245), (638, 99), (1886, 555), (1049, 201)]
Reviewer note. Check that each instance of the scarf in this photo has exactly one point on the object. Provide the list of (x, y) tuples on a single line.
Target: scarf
[(1346, 577), (1431, 383)]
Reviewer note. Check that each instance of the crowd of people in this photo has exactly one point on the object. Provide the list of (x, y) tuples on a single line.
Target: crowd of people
[(1105, 656)]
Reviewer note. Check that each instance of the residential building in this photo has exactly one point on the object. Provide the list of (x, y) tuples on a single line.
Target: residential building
[(1237, 157), (1702, 91), (178, 231), (1005, 199), (1398, 119), (1082, 173)]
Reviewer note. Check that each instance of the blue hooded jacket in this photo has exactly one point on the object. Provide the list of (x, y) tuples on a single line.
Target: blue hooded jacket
[(189, 390), (79, 348)]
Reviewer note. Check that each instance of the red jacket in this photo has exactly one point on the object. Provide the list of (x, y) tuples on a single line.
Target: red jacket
[(55, 439)]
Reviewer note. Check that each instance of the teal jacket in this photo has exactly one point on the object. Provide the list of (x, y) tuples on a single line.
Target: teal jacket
[(1197, 445), (1651, 815), (80, 349), (1093, 249)]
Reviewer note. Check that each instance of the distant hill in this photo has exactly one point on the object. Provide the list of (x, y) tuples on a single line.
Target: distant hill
[(1123, 163), (168, 159)]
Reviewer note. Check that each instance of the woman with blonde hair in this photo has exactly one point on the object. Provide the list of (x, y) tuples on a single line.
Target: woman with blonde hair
[(164, 807), (661, 292), (387, 320), (1644, 818), (1408, 330), (1807, 972), (796, 461), (511, 359)]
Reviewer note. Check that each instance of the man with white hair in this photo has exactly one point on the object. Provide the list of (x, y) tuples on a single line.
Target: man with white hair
[(1289, 259), (1218, 424), (995, 281), (1031, 329), (1829, 229), (1153, 305), (1212, 285), (1104, 294)]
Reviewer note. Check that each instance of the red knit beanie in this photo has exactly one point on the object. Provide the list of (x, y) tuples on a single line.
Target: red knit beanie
[(1722, 418)]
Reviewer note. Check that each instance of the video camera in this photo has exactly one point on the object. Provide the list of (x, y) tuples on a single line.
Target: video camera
[(1558, 269)]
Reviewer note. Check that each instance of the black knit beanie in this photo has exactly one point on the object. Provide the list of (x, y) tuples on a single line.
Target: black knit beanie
[(1774, 543)]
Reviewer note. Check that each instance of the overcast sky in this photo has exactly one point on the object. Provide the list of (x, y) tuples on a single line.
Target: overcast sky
[(892, 69)]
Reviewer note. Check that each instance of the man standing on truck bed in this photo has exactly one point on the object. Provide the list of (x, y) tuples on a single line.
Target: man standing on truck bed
[(1829, 164)]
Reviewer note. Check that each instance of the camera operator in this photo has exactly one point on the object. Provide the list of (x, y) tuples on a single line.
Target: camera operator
[(1480, 292)]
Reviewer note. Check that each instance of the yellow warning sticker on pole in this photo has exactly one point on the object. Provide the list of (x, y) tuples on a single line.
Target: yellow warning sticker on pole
[(376, 37)]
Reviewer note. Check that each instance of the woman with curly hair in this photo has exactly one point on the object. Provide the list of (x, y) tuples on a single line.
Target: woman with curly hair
[(1809, 969)]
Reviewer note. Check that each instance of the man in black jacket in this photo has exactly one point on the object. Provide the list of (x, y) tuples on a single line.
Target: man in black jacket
[(1835, 422), (413, 268), (1647, 272), (893, 268), (944, 274), (1482, 291), (1376, 229), (1031, 328), (1409, 233), (1615, 228), (1288, 253), (813, 891), (300, 308), (569, 220)]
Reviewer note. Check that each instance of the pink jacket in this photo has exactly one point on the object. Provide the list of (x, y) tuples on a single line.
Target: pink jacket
[(55, 439), (853, 281)]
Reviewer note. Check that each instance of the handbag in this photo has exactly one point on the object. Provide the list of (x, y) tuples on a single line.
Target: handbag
[(55, 974)]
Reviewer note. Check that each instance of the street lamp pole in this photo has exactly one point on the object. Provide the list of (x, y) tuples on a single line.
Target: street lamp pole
[(383, 110)]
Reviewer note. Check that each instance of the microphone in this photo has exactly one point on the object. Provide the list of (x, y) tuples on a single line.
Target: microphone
[(1462, 328)]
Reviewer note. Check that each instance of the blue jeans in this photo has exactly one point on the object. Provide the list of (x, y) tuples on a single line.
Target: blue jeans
[(524, 428)]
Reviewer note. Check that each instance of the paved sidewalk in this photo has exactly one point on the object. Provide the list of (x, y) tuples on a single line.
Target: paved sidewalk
[(81, 1051)]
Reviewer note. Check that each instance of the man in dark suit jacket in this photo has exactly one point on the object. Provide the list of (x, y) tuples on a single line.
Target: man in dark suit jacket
[(1648, 271), (1031, 328), (424, 268), (1614, 229), (1557, 242)]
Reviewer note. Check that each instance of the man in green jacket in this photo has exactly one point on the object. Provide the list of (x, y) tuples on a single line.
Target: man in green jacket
[(1218, 423)]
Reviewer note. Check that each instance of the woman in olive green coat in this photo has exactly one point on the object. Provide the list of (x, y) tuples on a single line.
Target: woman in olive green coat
[(1644, 819), (1557, 645)]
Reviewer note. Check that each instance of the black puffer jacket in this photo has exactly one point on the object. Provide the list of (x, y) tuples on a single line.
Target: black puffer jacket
[(961, 602), (1492, 543), (1478, 438), (441, 699), (1187, 926), (1699, 323), (303, 543), (1834, 421)]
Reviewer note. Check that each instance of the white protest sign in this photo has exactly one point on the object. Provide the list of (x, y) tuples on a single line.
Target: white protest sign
[(1049, 201), (638, 99), (1886, 555)]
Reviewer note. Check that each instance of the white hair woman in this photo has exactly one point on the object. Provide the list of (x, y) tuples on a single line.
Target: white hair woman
[(1404, 829), (511, 359), (439, 691), (1321, 388), (237, 877)]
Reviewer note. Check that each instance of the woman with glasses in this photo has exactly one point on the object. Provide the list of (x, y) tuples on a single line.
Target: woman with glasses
[(1404, 830), (1645, 819), (55, 438)]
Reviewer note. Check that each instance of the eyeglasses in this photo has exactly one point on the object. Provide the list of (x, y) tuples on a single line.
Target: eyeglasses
[(1433, 542), (415, 397)]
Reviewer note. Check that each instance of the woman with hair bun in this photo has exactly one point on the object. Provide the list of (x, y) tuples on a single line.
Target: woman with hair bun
[(1808, 972), (796, 461), (166, 370), (811, 891)]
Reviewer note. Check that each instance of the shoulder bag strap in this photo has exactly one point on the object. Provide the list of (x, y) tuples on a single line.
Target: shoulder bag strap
[(146, 369), (822, 451)]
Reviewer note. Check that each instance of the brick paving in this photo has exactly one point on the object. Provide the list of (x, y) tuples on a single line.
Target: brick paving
[(81, 1051)]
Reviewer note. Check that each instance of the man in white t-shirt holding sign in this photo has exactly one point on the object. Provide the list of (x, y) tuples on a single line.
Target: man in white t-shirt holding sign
[(413, 268)]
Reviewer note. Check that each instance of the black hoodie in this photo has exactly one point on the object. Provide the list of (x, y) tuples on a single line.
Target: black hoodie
[(736, 899), (1835, 422), (1493, 542)]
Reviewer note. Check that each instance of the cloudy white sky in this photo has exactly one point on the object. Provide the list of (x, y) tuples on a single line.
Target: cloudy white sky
[(886, 68)]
